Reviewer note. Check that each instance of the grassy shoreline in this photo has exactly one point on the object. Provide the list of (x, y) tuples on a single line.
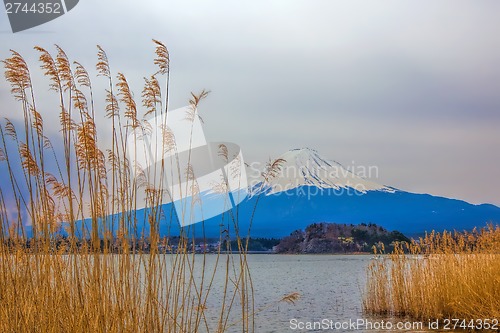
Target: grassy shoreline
[(455, 277)]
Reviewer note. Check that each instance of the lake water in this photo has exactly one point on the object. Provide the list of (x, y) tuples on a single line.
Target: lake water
[(331, 288)]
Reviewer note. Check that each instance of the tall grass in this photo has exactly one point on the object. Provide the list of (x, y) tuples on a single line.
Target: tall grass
[(443, 275), (106, 275)]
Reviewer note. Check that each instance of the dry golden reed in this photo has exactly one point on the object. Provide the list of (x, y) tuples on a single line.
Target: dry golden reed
[(443, 275), (105, 275)]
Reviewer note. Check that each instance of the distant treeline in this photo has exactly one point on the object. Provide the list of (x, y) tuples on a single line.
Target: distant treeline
[(257, 244), (170, 244), (316, 238)]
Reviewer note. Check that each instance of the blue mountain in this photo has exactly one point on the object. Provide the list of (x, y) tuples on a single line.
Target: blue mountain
[(310, 189)]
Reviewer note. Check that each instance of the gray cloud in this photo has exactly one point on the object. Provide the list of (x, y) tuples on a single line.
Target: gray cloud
[(413, 88)]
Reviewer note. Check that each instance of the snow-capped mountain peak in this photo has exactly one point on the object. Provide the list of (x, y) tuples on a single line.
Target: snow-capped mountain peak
[(305, 167)]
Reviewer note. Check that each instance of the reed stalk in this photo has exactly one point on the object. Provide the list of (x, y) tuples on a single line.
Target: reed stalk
[(86, 267)]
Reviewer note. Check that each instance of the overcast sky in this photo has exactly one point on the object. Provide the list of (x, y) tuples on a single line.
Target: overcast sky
[(412, 87)]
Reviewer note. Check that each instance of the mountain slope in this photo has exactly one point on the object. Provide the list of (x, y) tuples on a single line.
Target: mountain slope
[(410, 213), (311, 189)]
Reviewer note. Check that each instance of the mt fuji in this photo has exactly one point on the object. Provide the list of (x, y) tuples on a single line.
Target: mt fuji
[(304, 167), (310, 189)]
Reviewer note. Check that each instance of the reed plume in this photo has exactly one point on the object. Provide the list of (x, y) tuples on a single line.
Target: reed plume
[(86, 263)]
